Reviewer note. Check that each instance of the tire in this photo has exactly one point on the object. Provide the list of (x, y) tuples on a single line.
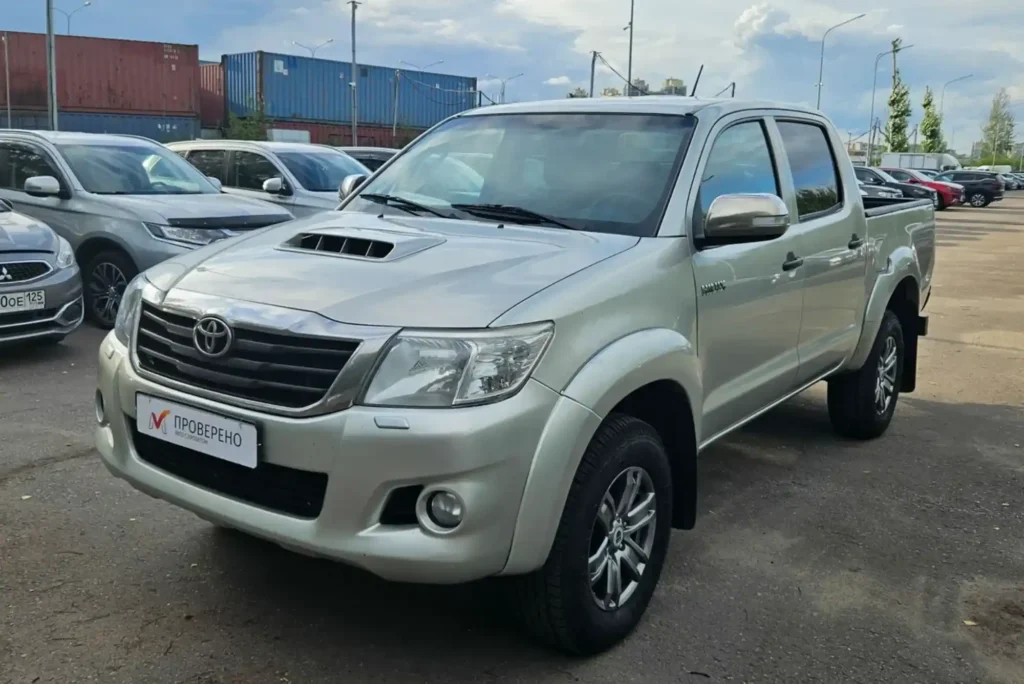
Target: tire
[(854, 407), (942, 203), (978, 200), (105, 278), (557, 603)]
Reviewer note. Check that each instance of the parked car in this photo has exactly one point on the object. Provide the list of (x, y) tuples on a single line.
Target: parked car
[(980, 187), (949, 194), (301, 177), (930, 173), (40, 286), (123, 202), (516, 378), (1010, 180), (873, 177), (867, 190), (371, 157)]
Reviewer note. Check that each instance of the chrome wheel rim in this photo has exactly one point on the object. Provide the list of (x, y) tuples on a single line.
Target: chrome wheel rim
[(622, 538), (885, 379), (977, 200), (107, 286)]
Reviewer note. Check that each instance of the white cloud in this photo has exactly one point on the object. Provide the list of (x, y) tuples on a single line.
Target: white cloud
[(558, 81)]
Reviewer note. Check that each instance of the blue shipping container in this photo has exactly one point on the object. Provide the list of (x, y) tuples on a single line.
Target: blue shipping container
[(159, 128), (292, 88)]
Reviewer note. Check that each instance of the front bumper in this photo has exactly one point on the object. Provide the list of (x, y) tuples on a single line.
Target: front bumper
[(483, 454), (62, 315)]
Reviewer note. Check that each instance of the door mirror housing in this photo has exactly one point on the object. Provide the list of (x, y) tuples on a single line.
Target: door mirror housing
[(216, 183), (273, 186), (42, 186), (745, 218), (350, 185)]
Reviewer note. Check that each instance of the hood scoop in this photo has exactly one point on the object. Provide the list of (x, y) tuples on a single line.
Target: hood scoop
[(362, 244)]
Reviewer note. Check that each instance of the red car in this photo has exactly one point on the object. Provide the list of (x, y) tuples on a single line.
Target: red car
[(950, 194)]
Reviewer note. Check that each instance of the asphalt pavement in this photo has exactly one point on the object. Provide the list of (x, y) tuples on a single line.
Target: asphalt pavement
[(814, 559)]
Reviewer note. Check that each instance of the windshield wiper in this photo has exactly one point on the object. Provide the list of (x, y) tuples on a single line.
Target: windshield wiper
[(404, 204), (511, 213)]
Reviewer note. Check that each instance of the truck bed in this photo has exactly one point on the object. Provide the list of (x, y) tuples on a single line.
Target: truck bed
[(879, 206), (892, 223)]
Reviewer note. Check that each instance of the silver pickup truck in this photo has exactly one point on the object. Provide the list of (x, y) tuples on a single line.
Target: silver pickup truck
[(449, 379)]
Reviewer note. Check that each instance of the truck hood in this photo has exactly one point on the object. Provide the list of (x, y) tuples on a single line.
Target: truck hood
[(438, 273), (191, 208), (19, 233)]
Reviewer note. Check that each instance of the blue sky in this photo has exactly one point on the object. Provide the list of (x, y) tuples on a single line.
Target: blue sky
[(770, 49)]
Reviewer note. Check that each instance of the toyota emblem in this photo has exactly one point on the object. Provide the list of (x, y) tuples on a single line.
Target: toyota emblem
[(212, 337)]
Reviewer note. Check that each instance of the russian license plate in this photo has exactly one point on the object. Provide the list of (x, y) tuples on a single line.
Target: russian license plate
[(208, 433), (22, 301)]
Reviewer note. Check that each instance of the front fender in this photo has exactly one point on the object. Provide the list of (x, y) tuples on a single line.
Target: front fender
[(901, 264), (611, 375)]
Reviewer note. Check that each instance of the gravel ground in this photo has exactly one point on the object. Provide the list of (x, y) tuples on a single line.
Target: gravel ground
[(815, 560)]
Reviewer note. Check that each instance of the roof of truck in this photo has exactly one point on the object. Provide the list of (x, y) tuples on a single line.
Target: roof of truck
[(647, 104)]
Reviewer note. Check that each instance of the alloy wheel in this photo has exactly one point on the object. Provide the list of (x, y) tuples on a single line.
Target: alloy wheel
[(885, 379), (107, 284)]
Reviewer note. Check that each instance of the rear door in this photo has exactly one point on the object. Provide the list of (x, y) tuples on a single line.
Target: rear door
[(830, 229), (748, 311)]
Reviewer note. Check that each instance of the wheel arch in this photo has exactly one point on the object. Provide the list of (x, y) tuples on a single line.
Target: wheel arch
[(95, 245)]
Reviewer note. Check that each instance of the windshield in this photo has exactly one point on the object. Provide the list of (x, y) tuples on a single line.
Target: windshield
[(110, 168), (599, 172), (321, 171)]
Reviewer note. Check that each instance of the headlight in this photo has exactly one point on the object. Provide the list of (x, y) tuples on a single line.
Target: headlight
[(186, 237), (128, 311), (430, 369), (65, 255)]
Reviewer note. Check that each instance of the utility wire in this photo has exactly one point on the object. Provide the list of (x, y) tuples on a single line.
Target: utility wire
[(624, 79)]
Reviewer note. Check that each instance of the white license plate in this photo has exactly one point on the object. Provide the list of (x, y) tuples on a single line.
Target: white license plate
[(208, 433), (22, 301)]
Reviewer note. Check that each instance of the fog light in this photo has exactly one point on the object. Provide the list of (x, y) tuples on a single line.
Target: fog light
[(445, 509), (101, 412)]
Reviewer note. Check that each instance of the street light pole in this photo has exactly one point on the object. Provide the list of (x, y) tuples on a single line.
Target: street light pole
[(501, 96), (629, 65), (874, 87), (312, 50), (51, 68), (421, 68), (942, 99), (7, 79), (68, 15), (821, 59), (355, 78), (593, 68)]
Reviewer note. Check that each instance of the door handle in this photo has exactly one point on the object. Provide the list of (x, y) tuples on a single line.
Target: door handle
[(792, 261), (855, 242)]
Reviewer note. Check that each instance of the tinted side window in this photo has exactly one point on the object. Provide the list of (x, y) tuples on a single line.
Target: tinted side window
[(864, 175), (900, 175), (740, 162), (19, 163), (813, 165), (210, 162), (250, 170), (370, 162)]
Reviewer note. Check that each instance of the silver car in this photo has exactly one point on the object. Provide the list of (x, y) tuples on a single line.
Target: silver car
[(371, 157), (40, 286), (301, 177), (124, 203)]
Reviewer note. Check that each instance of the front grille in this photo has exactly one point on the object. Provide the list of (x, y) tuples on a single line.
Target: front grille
[(279, 369), (21, 271), (278, 488), (26, 317)]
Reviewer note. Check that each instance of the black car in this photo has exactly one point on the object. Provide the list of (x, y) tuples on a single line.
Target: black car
[(981, 187), (873, 177)]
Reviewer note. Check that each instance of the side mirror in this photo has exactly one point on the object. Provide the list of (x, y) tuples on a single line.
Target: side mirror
[(746, 217), (216, 183), (350, 184), (273, 186), (42, 186)]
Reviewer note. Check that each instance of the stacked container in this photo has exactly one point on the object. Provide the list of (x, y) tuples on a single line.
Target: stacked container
[(106, 86)]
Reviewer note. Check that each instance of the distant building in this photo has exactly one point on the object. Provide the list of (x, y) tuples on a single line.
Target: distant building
[(578, 92), (673, 86), (639, 87), (611, 92), (977, 149)]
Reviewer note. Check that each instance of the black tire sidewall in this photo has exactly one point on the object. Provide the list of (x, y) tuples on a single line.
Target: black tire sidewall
[(119, 259), (596, 629)]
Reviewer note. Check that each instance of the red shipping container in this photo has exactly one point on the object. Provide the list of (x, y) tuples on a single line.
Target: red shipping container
[(104, 75), (340, 134), (211, 94)]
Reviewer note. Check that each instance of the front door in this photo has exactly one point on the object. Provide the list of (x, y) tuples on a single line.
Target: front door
[(832, 242), (246, 173), (748, 305)]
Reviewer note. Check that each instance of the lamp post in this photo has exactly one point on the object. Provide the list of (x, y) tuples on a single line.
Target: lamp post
[(68, 15), (629, 65), (874, 87), (355, 78), (422, 68), (312, 50), (7, 78), (501, 97), (821, 60), (942, 98)]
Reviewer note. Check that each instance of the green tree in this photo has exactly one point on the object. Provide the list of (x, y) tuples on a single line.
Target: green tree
[(931, 125), (899, 107), (998, 133), (252, 127)]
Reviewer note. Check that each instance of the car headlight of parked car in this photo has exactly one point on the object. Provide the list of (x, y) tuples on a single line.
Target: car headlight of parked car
[(65, 255), (187, 237), (128, 312), (432, 369)]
